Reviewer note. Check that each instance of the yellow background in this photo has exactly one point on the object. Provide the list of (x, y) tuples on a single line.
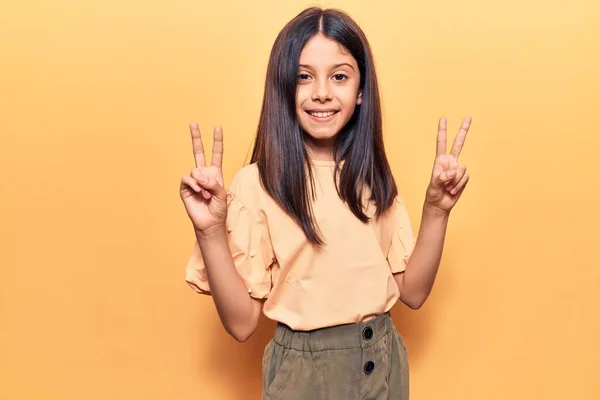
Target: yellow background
[(95, 98)]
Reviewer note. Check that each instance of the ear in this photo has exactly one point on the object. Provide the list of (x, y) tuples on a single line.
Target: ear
[(359, 98)]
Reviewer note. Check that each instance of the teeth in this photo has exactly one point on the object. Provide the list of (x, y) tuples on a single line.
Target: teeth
[(322, 114)]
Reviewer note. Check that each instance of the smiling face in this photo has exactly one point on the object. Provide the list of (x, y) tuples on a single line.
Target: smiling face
[(327, 93)]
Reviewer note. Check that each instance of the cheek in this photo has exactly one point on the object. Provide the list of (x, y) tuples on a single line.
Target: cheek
[(349, 99), (301, 96)]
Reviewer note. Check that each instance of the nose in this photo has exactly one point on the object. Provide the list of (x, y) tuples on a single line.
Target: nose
[(321, 91)]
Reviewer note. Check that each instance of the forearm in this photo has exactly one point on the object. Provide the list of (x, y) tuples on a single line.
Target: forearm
[(416, 282), (237, 310)]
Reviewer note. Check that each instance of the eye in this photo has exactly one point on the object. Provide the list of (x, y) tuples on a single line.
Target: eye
[(303, 77), (340, 77)]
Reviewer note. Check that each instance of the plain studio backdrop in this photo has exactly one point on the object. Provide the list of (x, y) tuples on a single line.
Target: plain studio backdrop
[(95, 99)]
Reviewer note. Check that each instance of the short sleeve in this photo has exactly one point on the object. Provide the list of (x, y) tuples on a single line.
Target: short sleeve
[(402, 238), (250, 246)]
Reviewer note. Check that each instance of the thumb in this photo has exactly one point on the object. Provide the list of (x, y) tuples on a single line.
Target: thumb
[(212, 186), (440, 178)]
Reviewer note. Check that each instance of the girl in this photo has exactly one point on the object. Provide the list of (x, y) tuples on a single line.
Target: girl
[(313, 232)]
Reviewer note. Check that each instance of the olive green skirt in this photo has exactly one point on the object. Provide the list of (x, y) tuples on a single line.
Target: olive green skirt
[(363, 361)]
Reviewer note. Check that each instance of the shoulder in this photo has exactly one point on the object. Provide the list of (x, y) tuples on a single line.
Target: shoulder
[(246, 185), (399, 208), (246, 178), (396, 214)]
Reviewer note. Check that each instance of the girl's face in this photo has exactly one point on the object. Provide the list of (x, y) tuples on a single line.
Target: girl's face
[(327, 93)]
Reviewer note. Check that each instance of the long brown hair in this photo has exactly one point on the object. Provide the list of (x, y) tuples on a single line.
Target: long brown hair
[(279, 148)]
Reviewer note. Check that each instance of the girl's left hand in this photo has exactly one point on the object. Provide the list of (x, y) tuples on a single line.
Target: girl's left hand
[(449, 177)]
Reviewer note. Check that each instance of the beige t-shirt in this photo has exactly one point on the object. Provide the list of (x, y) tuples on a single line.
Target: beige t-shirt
[(348, 280)]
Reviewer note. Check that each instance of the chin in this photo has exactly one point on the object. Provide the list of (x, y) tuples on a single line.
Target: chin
[(321, 136), (320, 132)]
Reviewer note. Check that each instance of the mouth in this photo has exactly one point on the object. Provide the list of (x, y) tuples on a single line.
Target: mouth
[(322, 115)]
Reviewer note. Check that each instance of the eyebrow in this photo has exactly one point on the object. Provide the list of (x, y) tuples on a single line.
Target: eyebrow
[(334, 67)]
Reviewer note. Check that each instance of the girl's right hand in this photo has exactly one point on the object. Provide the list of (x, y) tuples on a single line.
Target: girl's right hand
[(202, 191)]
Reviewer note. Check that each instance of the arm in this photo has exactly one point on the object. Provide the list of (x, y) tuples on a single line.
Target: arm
[(239, 313), (205, 201), (416, 282), (447, 184)]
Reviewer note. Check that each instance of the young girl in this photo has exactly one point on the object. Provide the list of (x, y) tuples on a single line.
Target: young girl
[(313, 232)]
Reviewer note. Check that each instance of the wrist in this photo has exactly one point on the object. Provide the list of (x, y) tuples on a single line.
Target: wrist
[(214, 232), (430, 211)]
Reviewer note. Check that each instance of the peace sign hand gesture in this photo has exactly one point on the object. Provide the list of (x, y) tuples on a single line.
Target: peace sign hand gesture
[(449, 177), (202, 192)]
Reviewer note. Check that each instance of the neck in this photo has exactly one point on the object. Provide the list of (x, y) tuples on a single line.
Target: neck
[(319, 150)]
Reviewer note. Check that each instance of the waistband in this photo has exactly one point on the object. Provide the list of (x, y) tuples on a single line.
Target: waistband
[(348, 336)]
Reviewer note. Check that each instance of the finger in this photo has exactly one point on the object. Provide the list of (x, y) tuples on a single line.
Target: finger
[(197, 146), (442, 179), (197, 175), (460, 138), (212, 186), (217, 153), (201, 180), (461, 169), (191, 182), (441, 137), (461, 184)]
